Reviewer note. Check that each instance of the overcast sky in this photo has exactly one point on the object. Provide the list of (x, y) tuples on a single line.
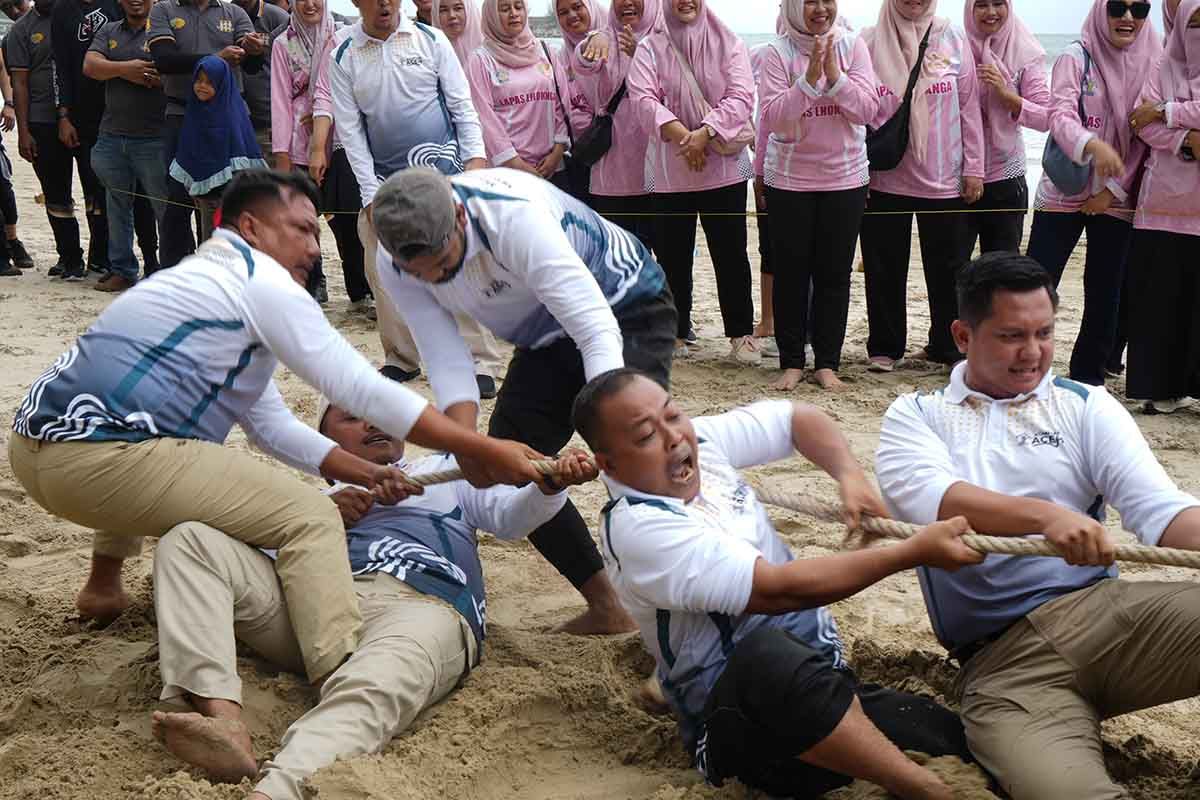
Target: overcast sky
[(758, 16)]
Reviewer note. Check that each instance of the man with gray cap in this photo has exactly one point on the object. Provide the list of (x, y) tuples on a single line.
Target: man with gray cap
[(576, 294)]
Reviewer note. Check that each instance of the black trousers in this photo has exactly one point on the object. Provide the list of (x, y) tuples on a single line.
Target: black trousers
[(145, 227), (999, 230), (815, 245), (722, 215), (53, 169), (762, 222), (534, 407), (778, 697), (1051, 242), (341, 198), (8, 198), (1164, 330), (633, 213), (886, 242), (177, 241)]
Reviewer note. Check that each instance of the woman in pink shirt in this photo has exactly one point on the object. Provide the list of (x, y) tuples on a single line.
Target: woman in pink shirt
[(462, 23), (1164, 283), (1122, 51), (512, 83), (601, 63), (1013, 94), (818, 92), (575, 19), (693, 92), (942, 171), (296, 59)]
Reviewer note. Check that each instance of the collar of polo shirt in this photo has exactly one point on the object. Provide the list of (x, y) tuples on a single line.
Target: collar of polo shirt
[(958, 391), (405, 27)]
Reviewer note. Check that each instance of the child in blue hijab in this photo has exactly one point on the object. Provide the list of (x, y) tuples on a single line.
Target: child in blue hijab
[(216, 140)]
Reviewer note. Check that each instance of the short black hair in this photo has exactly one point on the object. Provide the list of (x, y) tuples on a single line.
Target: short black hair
[(585, 413), (251, 189), (979, 281)]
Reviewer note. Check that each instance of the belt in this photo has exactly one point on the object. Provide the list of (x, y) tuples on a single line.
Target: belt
[(966, 652)]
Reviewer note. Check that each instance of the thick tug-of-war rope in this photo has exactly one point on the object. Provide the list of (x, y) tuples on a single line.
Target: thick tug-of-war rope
[(894, 529)]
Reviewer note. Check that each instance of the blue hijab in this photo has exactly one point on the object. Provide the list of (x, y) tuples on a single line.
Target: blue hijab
[(217, 138)]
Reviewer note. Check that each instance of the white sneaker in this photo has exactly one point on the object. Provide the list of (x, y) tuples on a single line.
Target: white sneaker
[(364, 306), (1168, 406), (744, 350), (881, 364), (681, 349), (770, 347)]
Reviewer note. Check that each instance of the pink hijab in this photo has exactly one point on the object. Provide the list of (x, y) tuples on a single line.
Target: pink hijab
[(1123, 71), (652, 17), (1168, 16), (517, 51), (894, 43), (305, 45), (1010, 50), (1181, 67), (708, 46), (596, 14), (472, 34)]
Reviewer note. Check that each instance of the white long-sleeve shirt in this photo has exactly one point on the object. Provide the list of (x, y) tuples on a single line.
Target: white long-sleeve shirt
[(190, 352), (1064, 442), (539, 265), (400, 103)]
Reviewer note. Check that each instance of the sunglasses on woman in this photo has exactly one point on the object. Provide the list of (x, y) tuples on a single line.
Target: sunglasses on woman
[(1117, 9)]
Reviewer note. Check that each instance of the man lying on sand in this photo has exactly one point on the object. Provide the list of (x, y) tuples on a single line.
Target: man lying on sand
[(420, 587), (748, 657), (123, 433), (1048, 647)]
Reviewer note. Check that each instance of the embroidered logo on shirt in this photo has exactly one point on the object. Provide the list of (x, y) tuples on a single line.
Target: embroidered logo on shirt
[(112, 44), (37, 38), (1052, 438), (90, 24), (225, 26), (411, 61), (178, 23)]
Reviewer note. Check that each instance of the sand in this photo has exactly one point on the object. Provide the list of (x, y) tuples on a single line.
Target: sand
[(546, 716)]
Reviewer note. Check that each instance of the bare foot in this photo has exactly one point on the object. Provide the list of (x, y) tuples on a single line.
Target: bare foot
[(789, 380), (101, 606), (651, 698), (599, 622), (220, 747), (828, 379)]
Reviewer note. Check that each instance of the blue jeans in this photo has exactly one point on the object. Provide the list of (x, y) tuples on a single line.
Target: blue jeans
[(122, 162)]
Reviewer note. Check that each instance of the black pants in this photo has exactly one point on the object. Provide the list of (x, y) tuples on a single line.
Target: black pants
[(633, 213), (1163, 302), (8, 198), (341, 198), (814, 245), (778, 697), (1051, 242), (886, 242), (999, 230), (762, 222), (722, 215), (176, 233), (53, 168), (534, 407), (145, 226)]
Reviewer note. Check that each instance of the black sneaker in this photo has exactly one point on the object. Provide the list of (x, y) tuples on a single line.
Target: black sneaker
[(394, 373), (56, 270), (9, 270), (691, 337), (20, 256), (74, 272), (99, 269), (487, 386)]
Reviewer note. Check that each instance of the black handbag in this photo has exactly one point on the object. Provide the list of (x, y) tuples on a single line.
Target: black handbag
[(596, 139), (578, 174), (887, 144), (1069, 177)]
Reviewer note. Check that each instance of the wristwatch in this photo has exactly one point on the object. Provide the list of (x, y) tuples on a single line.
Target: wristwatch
[(64, 113), (9, 104), (712, 134)]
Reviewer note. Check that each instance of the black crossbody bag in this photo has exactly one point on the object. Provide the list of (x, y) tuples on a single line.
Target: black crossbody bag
[(887, 144), (596, 139), (579, 175)]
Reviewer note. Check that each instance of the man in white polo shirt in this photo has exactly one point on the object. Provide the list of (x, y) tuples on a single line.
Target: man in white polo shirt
[(1048, 647), (748, 657)]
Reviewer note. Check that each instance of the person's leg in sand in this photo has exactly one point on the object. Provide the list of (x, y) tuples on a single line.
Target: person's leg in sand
[(211, 592)]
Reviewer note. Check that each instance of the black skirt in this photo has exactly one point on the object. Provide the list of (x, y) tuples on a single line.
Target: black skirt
[(1164, 327), (340, 192)]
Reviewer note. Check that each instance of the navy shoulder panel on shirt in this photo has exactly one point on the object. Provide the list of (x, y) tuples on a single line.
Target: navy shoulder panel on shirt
[(337, 55), (247, 254), (654, 502), (1072, 386), (425, 29)]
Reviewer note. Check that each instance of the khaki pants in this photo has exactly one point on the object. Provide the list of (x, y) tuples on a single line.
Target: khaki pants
[(399, 349), (209, 589), (1032, 701), (146, 489)]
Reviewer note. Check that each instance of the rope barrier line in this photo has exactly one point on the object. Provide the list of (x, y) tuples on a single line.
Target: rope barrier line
[(894, 529), (1168, 213)]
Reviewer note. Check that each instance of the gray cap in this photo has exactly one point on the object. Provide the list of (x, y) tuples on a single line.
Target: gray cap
[(413, 208)]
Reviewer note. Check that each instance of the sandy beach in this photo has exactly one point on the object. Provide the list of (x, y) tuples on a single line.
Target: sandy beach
[(546, 715)]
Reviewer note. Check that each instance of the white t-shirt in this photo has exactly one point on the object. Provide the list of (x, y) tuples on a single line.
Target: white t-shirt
[(1064, 442), (685, 571)]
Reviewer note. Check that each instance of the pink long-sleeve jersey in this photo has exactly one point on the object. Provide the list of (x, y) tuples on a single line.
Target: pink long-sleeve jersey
[(955, 146), (1073, 134), (517, 106), (1035, 113), (290, 100), (817, 135), (622, 170), (1169, 199)]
